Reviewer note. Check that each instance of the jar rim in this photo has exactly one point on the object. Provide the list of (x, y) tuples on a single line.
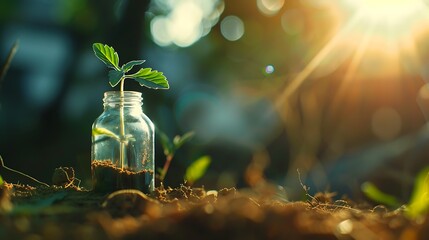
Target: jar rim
[(125, 97), (125, 92)]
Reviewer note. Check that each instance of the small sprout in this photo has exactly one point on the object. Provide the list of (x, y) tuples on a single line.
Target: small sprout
[(170, 148), (418, 204), (197, 169), (375, 194)]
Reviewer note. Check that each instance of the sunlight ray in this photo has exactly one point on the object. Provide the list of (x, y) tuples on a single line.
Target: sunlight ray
[(313, 64), (351, 72), (413, 58)]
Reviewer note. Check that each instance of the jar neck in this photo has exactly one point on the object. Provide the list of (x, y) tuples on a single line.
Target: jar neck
[(127, 99)]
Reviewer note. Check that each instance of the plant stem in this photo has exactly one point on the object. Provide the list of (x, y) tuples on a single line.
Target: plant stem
[(10, 56), (122, 86), (122, 126), (166, 166)]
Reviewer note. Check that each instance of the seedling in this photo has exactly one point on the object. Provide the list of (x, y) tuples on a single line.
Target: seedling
[(195, 170), (117, 75), (170, 147), (418, 204)]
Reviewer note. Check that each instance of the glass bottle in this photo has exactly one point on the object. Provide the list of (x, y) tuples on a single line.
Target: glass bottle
[(122, 145)]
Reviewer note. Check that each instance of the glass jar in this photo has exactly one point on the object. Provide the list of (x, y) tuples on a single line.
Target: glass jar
[(122, 153)]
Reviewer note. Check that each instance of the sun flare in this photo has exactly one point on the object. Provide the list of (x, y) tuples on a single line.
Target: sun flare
[(389, 10), (392, 18), (373, 58), (376, 30), (361, 81)]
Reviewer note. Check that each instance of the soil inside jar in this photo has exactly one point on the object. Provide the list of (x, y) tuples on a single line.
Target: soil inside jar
[(107, 177)]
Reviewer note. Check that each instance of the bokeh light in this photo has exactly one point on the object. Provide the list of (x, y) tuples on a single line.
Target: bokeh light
[(232, 28), (270, 7), (293, 22), (386, 123), (186, 21), (158, 28), (269, 69)]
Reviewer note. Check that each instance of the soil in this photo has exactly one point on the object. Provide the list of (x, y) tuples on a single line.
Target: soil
[(108, 178), (69, 212)]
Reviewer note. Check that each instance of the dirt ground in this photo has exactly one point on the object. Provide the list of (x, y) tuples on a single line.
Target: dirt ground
[(64, 211)]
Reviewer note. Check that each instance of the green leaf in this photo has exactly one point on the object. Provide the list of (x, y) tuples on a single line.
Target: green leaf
[(115, 77), (1, 181), (103, 131), (419, 202), (178, 141), (167, 145), (375, 194), (151, 79), (129, 65), (107, 55), (160, 171), (197, 169)]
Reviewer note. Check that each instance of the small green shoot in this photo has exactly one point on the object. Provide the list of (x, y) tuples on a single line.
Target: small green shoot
[(170, 148), (418, 204), (144, 76), (197, 169), (375, 194)]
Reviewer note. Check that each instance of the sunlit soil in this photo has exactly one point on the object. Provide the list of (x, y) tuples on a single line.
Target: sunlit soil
[(194, 213)]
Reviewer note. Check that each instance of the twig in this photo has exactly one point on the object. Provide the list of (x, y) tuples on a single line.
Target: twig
[(21, 173), (71, 180), (6, 65), (305, 188)]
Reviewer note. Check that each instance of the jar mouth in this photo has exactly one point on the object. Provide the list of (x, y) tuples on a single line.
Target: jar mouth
[(132, 93), (124, 97)]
